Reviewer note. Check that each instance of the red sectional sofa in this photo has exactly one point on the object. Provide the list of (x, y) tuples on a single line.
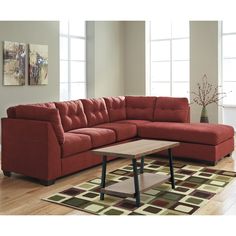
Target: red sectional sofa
[(50, 140)]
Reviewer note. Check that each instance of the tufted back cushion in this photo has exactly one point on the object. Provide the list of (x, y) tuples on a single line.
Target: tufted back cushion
[(170, 109), (11, 111), (72, 114), (96, 111), (43, 114), (140, 108), (116, 108)]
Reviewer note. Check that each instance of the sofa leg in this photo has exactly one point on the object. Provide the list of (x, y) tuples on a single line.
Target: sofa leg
[(47, 182), (228, 155), (7, 173)]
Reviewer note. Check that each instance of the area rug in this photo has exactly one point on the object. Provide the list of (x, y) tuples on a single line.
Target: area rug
[(195, 187)]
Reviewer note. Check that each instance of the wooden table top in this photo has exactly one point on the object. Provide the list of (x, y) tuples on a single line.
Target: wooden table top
[(136, 149)]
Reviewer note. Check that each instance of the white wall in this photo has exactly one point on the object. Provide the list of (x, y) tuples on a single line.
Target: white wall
[(105, 58), (229, 116), (40, 32), (204, 59), (134, 58), (116, 58)]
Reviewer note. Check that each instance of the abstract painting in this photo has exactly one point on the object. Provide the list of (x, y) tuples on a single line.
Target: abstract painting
[(14, 63), (38, 64)]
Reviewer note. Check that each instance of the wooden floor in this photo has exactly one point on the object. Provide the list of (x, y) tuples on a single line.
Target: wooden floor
[(22, 196)]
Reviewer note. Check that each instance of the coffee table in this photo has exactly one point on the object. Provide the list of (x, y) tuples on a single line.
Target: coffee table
[(142, 181)]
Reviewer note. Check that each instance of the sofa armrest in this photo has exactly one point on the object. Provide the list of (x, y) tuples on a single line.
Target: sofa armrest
[(31, 148)]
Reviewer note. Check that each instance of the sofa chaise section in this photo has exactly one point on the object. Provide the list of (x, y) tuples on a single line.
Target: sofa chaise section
[(199, 141), (206, 142)]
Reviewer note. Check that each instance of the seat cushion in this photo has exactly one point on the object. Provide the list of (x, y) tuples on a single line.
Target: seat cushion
[(43, 114), (99, 137), (140, 107), (135, 122), (170, 109), (211, 134), (123, 131), (116, 108), (96, 111), (72, 115), (75, 143)]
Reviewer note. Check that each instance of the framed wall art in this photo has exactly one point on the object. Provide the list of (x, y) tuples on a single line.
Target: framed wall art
[(14, 63), (38, 64)]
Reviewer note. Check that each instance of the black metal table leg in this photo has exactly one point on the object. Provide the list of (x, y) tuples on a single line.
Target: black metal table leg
[(142, 164), (171, 169), (136, 182), (103, 179)]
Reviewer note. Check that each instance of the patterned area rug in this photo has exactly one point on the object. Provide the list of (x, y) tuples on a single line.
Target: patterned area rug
[(195, 186)]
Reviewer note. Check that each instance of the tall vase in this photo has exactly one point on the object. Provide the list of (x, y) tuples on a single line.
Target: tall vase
[(204, 116)]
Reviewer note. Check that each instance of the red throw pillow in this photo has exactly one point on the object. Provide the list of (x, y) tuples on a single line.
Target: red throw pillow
[(42, 114)]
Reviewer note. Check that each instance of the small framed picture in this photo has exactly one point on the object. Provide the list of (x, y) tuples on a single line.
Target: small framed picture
[(38, 64), (14, 63)]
